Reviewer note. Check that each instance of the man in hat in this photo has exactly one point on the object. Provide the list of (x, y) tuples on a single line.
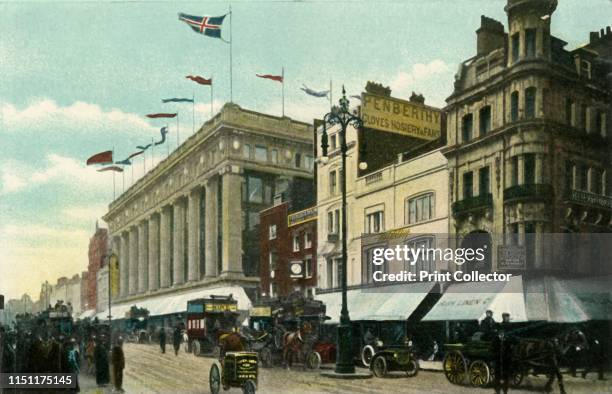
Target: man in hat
[(118, 359), (487, 325)]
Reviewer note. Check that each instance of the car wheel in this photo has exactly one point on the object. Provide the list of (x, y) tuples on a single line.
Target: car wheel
[(366, 355), (379, 366)]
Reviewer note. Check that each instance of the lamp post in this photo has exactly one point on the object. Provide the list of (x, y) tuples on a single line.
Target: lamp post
[(342, 117)]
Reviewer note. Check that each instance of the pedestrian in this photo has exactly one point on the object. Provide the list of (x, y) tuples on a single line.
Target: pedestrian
[(101, 360), (162, 339), (89, 354), (176, 340), (502, 351), (74, 362), (487, 326), (118, 359)]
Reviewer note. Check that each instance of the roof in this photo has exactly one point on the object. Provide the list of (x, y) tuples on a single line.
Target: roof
[(395, 302)]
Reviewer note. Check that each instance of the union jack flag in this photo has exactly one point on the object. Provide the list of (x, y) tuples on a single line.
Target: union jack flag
[(207, 25)]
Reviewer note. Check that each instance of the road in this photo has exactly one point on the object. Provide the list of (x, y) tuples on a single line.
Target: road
[(149, 371)]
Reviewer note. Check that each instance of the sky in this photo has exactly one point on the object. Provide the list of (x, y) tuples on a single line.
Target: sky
[(77, 78)]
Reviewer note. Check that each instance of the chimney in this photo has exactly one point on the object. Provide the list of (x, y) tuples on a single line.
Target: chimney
[(489, 36), (593, 36)]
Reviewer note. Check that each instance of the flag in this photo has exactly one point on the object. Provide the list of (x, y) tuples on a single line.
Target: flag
[(200, 80), (135, 154), (278, 78), (161, 115), (101, 158), (177, 100), (163, 131), (124, 162), (322, 93), (208, 25), (143, 147), (111, 168)]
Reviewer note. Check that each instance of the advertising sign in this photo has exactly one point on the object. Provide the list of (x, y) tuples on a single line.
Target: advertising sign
[(401, 117)]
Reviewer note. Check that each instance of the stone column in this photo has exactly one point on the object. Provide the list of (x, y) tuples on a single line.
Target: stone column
[(521, 169), (165, 258), (232, 224), (124, 265), (178, 258), (210, 228), (193, 244), (153, 252), (143, 257), (133, 273)]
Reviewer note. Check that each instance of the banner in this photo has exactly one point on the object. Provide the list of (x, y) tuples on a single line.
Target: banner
[(114, 276), (401, 117)]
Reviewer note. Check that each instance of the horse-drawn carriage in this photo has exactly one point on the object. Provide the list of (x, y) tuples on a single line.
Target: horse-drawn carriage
[(135, 325), (208, 319), (238, 369)]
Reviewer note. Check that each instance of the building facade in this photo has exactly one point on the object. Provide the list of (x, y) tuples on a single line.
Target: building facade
[(193, 220), (529, 140), (288, 250), (97, 252)]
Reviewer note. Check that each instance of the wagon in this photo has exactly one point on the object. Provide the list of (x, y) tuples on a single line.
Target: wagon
[(238, 369)]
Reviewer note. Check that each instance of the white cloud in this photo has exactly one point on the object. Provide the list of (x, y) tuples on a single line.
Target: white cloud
[(431, 79), (11, 183), (47, 116), (85, 213)]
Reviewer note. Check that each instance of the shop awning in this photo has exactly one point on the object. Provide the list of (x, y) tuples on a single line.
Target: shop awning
[(569, 300), (396, 302), (87, 313), (470, 301), (177, 303)]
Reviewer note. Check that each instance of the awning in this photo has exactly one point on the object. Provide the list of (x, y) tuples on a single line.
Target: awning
[(395, 302), (569, 300), (470, 301), (177, 303), (87, 313)]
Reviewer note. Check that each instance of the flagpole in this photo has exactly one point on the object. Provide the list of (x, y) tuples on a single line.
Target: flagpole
[(231, 71), (178, 142), (123, 180), (330, 94), (283, 89), (211, 96), (152, 152), (193, 112), (168, 142), (144, 162)]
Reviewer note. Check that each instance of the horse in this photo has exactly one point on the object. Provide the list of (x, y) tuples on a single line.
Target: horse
[(293, 343)]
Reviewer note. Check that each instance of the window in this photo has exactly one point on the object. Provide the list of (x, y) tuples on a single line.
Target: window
[(273, 289), (274, 156), (514, 234), (596, 181), (530, 42), (298, 160), (246, 151), (514, 106), (569, 175), (272, 260), (261, 153), (330, 222), (425, 261), (529, 169), (307, 240), (309, 162), (369, 268), (272, 231), (421, 208), (296, 242), (583, 116), (582, 175), (468, 179), (570, 117), (255, 186), (515, 47), (530, 102), (485, 120), (466, 127), (308, 267), (338, 273), (330, 273), (333, 181), (585, 68), (333, 142), (374, 222), (483, 181), (337, 221), (600, 123)]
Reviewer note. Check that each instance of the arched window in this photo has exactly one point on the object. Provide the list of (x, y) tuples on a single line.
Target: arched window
[(530, 103)]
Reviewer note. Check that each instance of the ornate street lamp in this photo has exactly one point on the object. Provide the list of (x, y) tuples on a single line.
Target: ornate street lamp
[(342, 117)]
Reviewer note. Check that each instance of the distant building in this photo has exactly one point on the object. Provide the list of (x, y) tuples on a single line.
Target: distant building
[(84, 290), (288, 239), (98, 249)]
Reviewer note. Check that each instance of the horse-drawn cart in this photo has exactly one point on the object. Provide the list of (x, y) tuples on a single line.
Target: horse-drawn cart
[(238, 369)]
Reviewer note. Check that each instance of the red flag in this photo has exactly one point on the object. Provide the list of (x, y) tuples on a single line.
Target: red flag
[(161, 115), (111, 168), (101, 158), (278, 78), (135, 154), (200, 80)]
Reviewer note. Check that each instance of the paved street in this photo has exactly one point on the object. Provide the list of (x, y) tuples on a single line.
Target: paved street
[(149, 371)]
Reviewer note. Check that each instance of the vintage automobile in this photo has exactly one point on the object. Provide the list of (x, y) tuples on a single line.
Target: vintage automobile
[(204, 317), (370, 337), (238, 369), (395, 359)]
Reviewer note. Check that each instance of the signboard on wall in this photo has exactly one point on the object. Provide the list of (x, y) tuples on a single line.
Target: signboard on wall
[(114, 272), (401, 117)]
